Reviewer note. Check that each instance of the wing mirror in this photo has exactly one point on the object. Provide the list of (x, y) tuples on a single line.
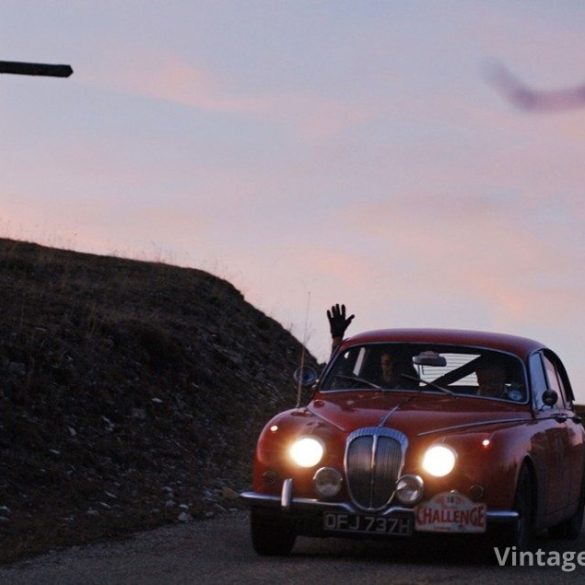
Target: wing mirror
[(549, 397), (305, 376), (430, 358)]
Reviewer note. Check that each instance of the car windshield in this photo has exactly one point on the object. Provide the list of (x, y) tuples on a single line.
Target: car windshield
[(428, 367)]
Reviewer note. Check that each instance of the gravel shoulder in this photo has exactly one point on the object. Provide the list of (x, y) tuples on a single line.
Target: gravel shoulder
[(219, 551)]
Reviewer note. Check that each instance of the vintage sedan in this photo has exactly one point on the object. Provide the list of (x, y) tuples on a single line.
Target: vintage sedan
[(424, 431)]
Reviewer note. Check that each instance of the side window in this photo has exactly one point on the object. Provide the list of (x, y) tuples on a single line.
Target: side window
[(357, 369), (537, 380), (345, 363), (554, 380), (346, 366)]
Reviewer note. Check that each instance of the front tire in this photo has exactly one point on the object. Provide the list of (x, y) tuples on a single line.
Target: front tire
[(270, 535), (570, 528), (521, 533)]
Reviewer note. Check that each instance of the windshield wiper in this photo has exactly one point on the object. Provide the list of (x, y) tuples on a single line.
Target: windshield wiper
[(431, 384), (358, 379)]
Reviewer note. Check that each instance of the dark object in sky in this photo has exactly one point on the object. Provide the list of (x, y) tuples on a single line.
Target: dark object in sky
[(527, 99), (17, 68)]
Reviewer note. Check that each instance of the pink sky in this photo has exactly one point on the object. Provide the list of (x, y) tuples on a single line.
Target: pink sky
[(353, 150)]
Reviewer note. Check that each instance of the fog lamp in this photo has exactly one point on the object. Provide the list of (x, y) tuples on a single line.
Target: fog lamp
[(409, 489), (327, 482)]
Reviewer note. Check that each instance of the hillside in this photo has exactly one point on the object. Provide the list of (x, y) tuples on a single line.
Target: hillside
[(132, 394)]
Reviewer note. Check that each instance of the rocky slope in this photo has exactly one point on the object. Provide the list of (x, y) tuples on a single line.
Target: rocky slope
[(132, 394)]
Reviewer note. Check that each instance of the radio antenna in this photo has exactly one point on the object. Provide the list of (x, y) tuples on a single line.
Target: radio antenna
[(300, 377)]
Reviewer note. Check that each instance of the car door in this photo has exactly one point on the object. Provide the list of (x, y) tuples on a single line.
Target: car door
[(548, 444), (574, 456)]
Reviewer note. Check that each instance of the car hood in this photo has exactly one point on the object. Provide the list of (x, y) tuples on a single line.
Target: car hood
[(419, 414)]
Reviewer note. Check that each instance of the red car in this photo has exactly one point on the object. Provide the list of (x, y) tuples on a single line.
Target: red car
[(424, 431)]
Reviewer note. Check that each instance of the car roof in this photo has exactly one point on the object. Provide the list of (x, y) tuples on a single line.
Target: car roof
[(520, 346)]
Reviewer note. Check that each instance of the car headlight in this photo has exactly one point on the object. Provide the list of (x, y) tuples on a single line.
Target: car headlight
[(439, 460), (306, 451)]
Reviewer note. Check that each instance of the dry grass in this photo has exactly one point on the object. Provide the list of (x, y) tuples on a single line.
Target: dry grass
[(129, 389)]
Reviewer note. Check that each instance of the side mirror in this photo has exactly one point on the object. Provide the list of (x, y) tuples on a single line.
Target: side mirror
[(549, 397), (430, 358), (305, 376)]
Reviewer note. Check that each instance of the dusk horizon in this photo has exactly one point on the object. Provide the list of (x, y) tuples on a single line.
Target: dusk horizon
[(314, 153)]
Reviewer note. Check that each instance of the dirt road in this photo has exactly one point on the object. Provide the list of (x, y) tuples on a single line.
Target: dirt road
[(218, 551)]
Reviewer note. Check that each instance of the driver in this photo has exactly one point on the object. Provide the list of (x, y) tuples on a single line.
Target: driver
[(391, 366), (392, 369)]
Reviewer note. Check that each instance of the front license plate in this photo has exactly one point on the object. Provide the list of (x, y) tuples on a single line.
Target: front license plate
[(367, 524)]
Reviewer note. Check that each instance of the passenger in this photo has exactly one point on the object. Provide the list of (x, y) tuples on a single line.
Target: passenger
[(491, 380)]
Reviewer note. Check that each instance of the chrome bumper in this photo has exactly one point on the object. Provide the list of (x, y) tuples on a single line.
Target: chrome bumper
[(286, 501), (264, 500)]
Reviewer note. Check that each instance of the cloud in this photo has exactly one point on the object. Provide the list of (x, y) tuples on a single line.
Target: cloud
[(172, 78), (485, 249)]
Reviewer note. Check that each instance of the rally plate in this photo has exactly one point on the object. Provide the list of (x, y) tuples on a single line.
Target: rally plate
[(451, 512), (367, 524)]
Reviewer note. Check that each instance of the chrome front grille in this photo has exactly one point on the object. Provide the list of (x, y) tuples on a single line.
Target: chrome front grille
[(374, 457)]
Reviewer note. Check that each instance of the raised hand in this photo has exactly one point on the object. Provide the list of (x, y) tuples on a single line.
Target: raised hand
[(338, 321)]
